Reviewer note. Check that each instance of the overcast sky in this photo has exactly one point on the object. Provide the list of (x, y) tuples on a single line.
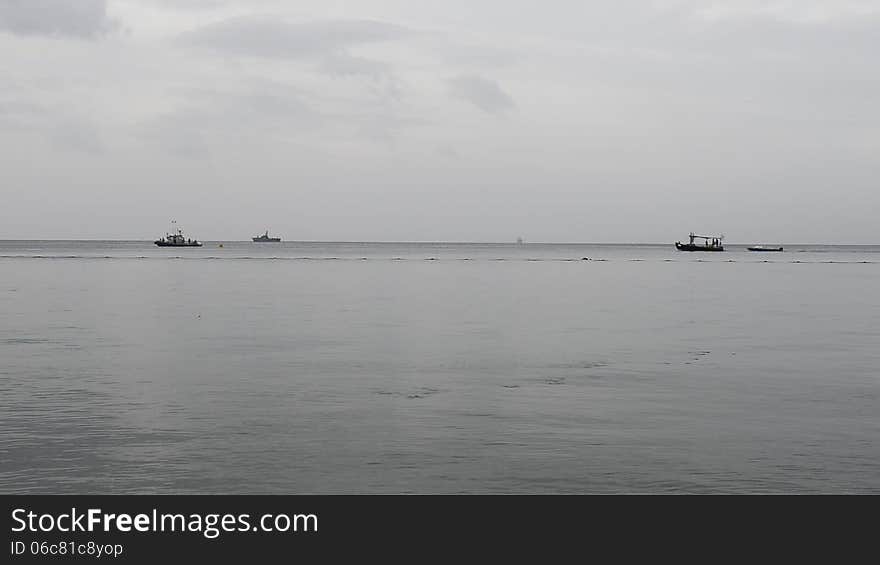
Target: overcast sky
[(461, 120)]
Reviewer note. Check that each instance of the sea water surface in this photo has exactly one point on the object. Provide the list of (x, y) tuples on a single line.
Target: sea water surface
[(437, 368)]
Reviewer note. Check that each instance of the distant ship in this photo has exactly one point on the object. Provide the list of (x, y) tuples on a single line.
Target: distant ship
[(176, 239), (710, 243), (266, 239), (762, 248)]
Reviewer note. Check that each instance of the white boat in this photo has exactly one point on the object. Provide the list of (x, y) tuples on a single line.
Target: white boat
[(176, 238)]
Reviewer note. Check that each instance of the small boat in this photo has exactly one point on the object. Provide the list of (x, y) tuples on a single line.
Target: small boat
[(176, 239), (265, 238), (710, 243), (762, 248)]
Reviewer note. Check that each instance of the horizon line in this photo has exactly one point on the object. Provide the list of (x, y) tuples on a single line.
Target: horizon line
[(459, 242)]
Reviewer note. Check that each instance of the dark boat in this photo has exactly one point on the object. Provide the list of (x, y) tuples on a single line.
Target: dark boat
[(265, 238), (709, 243), (176, 239), (762, 248)]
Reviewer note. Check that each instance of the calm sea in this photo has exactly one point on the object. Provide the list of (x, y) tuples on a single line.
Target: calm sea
[(437, 368)]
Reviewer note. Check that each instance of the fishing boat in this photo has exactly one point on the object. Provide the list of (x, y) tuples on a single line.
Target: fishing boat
[(710, 243), (265, 238), (763, 248), (176, 238)]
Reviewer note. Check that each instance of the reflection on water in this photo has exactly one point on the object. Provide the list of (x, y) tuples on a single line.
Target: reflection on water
[(437, 368)]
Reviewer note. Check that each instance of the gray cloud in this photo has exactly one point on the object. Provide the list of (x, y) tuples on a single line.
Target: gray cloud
[(75, 18), (192, 4), (79, 136), (253, 117), (483, 93), (343, 64), (19, 113), (272, 37), (800, 12), (470, 55)]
